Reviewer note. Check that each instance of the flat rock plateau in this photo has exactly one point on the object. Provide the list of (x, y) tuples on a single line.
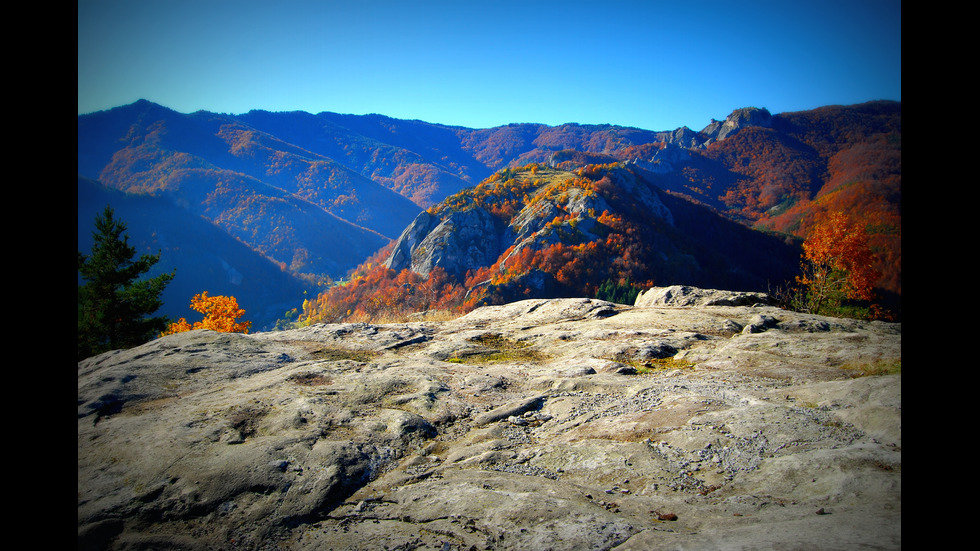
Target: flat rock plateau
[(558, 424)]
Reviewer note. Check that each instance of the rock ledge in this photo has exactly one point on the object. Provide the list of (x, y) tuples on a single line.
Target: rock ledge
[(542, 424)]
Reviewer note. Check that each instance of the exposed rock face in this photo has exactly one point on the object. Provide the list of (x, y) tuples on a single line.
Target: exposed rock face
[(683, 137), (665, 160), (409, 240), (738, 119), (684, 295), (472, 238), (462, 240), (532, 425), (643, 195)]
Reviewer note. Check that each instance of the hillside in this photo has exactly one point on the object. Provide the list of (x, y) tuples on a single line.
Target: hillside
[(679, 423), (319, 194), (299, 209), (544, 232), (198, 250), (783, 172)]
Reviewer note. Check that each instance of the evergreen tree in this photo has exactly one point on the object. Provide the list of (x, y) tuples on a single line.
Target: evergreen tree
[(612, 291), (113, 305)]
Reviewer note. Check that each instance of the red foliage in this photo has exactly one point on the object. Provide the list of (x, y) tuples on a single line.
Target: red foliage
[(378, 293), (838, 263), (776, 168), (865, 184)]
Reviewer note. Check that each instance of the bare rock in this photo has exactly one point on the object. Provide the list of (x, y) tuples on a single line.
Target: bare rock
[(737, 120), (684, 296), (513, 427), (509, 410), (461, 240)]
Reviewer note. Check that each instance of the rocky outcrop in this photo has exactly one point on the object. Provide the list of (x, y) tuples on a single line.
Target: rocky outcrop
[(561, 424), (685, 295), (408, 242), (683, 137), (664, 160), (738, 119), (462, 240), (643, 195)]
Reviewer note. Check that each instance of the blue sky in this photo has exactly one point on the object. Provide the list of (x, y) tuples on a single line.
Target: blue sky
[(651, 64)]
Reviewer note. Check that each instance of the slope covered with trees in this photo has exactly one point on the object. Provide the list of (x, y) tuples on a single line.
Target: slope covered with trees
[(317, 194), (204, 256), (600, 230), (803, 167)]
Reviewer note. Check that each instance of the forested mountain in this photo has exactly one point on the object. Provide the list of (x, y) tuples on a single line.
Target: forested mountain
[(544, 231), (204, 255), (318, 194)]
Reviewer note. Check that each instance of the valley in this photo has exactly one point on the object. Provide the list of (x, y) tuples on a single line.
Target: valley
[(320, 196)]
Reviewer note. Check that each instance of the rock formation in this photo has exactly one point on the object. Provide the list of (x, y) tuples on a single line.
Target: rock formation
[(665, 160), (685, 295), (462, 240), (738, 119), (541, 424)]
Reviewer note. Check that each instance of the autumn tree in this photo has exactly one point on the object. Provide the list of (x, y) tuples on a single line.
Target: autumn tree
[(220, 314), (837, 266), (114, 304)]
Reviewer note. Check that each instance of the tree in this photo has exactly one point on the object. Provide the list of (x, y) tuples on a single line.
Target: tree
[(220, 314), (620, 293), (837, 266), (114, 305)]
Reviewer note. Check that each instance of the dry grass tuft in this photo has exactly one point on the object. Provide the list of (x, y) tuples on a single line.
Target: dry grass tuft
[(877, 367)]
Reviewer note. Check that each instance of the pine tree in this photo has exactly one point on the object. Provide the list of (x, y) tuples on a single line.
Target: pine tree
[(114, 306)]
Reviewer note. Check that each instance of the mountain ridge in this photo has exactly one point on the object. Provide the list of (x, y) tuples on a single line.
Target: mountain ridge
[(356, 172), (540, 232)]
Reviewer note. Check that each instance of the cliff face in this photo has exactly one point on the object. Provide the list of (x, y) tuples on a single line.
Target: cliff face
[(460, 241), (697, 419), (737, 120)]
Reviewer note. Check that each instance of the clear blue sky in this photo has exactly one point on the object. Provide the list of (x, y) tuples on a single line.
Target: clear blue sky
[(654, 64)]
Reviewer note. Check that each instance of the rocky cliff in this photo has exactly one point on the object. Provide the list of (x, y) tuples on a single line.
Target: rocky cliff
[(461, 241), (693, 420), (612, 219), (737, 120)]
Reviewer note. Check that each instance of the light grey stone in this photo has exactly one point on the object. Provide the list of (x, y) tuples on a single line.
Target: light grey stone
[(340, 437)]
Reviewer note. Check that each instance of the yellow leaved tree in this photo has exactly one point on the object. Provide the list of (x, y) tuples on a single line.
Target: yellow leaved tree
[(220, 314)]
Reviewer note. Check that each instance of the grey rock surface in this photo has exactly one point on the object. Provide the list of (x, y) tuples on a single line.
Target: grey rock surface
[(738, 119), (685, 295), (513, 427), (463, 239)]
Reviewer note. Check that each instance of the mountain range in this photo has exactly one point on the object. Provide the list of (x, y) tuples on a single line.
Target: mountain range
[(283, 203)]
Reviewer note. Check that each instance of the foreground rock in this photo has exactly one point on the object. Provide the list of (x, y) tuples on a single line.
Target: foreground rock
[(542, 424)]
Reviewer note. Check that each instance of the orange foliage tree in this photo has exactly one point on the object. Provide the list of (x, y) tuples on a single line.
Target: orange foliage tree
[(378, 294), (220, 314), (838, 265)]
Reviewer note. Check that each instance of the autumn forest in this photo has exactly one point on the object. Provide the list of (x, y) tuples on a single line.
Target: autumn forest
[(317, 205)]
